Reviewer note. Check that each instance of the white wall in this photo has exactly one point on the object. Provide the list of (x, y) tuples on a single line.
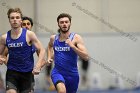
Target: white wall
[(117, 54), (27, 8)]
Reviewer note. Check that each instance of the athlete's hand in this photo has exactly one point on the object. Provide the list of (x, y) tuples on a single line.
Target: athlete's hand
[(36, 70), (2, 60), (68, 41), (49, 61)]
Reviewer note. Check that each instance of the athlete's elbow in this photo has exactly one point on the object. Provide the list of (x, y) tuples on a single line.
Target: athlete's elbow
[(85, 57), (43, 50)]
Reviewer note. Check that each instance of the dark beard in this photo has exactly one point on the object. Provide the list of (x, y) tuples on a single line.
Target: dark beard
[(60, 30), (64, 31)]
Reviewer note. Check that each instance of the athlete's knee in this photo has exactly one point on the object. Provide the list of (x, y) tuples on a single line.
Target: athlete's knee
[(61, 88), (62, 91), (11, 91)]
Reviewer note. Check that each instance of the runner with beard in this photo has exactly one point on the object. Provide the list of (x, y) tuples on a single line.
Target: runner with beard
[(63, 49)]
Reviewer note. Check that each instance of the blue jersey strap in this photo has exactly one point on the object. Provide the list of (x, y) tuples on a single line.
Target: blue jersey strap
[(71, 36)]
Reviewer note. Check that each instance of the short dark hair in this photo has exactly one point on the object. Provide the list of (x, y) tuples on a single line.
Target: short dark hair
[(64, 15), (12, 10), (28, 18)]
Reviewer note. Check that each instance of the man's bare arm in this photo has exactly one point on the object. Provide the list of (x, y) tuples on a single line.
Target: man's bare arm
[(2, 47), (50, 52), (41, 50), (79, 47)]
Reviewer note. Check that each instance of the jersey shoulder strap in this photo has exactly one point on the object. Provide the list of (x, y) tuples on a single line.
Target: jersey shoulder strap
[(71, 36)]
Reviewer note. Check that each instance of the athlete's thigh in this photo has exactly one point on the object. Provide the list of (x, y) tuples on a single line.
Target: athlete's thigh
[(26, 82), (72, 83), (12, 80), (59, 82), (33, 83), (57, 77)]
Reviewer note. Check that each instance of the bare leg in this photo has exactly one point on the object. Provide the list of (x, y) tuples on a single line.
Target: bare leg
[(51, 85), (61, 88), (11, 91)]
